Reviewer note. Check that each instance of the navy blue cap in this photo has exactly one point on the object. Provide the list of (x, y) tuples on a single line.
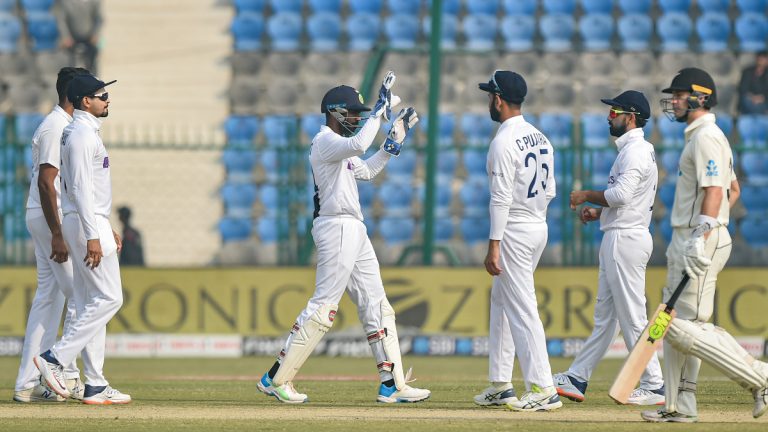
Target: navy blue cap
[(343, 97), (509, 85), (631, 101), (85, 85)]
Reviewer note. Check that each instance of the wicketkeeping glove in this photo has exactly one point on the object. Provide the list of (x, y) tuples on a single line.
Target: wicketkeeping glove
[(386, 100), (694, 257), (399, 130)]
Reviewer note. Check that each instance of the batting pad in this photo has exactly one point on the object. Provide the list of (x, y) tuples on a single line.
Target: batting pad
[(718, 348), (386, 340), (304, 339)]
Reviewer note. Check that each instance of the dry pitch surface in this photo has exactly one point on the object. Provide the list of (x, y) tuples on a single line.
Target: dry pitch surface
[(219, 394)]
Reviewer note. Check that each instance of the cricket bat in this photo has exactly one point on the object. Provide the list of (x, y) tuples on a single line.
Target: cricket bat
[(645, 347)]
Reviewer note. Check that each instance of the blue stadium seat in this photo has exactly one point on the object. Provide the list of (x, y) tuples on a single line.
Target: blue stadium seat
[(518, 32), (403, 166), (752, 30), (241, 130), (558, 128), (597, 6), (247, 29), (554, 231), (269, 160), (239, 160), (445, 129), (271, 229), (671, 133), (284, 30), (443, 196), (363, 30), (405, 7), (238, 199), (557, 31), (371, 225), (649, 128), (756, 6), (280, 130), (601, 163), (634, 6), (477, 129), (443, 229), (670, 161), (680, 6), (367, 6), (755, 166), (475, 196), (753, 130), (490, 7), (7, 6), (754, 229), (635, 31), (10, 31), (26, 123), (475, 162), (520, 7), (596, 31), (447, 161), (480, 31), (725, 123), (44, 31), (402, 30), (594, 130), (567, 7), (451, 7), (333, 6), (37, 5), (367, 192), (396, 198), (281, 6), (667, 194), (475, 229), (450, 25), (270, 197), (310, 125), (754, 198), (249, 5), (674, 29), (234, 229), (397, 230), (713, 5), (713, 29), (324, 29)]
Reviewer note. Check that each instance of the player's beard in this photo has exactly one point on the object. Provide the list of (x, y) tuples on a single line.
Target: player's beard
[(618, 130), (495, 113)]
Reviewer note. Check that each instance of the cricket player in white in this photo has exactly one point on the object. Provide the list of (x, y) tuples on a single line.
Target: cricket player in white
[(86, 205), (521, 175), (54, 270), (345, 257), (624, 214), (706, 190)]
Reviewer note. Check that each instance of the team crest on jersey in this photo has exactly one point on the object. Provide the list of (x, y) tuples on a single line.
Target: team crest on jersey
[(331, 315), (106, 162), (712, 169)]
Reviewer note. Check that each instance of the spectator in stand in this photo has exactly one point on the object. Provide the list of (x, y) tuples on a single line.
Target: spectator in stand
[(132, 253), (753, 87), (80, 25)]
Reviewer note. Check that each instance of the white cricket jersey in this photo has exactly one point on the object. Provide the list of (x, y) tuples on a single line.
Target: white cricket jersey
[(86, 182), (46, 146), (336, 166), (521, 167), (706, 160), (631, 184)]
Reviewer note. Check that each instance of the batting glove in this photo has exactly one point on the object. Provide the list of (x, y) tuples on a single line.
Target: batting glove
[(694, 257), (386, 100), (399, 130)]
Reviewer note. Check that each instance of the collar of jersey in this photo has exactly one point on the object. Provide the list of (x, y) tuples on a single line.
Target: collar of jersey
[(629, 136), (60, 111), (701, 121), (87, 118)]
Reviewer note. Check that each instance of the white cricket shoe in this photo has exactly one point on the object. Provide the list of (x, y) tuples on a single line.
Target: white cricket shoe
[(76, 389), (52, 375), (495, 396), (38, 393), (108, 396), (663, 416), (288, 394), (405, 394), (641, 396), (761, 402), (569, 387), (537, 399), (265, 385)]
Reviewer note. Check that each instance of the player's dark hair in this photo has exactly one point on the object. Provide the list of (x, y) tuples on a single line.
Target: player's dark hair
[(65, 76), (639, 121)]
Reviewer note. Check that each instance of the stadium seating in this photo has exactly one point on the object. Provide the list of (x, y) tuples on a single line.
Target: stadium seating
[(674, 29), (475, 229), (323, 30), (597, 6), (596, 31), (447, 161), (477, 129), (671, 133), (397, 230), (44, 31), (520, 7), (594, 128), (405, 7), (404, 166), (26, 123), (518, 32), (396, 198), (634, 6), (363, 29), (755, 167), (7, 6), (720, 6), (754, 229), (332, 6), (757, 6), (239, 160), (249, 5), (635, 31), (445, 130), (670, 160), (402, 30), (10, 31), (725, 123), (754, 199), (367, 192), (450, 30), (558, 127), (280, 130), (37, 5), (234, 229), (567, 7), (480, 31), (284, 29), (752, 30), (475, 196), (241, 130), (753, 130), (247, 29), (557, 31), (443, 229), (451, 7), (271, 229), (681, 6), (489, 7), (368, 6), (475, 161), (713, 29), (281, 6)]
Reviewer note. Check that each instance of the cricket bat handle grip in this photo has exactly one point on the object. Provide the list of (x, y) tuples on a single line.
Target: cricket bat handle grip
[(679, 290)]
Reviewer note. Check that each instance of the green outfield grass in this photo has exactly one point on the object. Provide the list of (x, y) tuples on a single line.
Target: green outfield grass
[(220, 395)]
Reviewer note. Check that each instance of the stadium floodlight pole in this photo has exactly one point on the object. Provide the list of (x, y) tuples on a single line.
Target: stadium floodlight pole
[(435, 58)]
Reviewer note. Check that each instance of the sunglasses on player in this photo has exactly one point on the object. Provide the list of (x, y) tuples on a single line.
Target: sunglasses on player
[(101, 96), (615, 112)]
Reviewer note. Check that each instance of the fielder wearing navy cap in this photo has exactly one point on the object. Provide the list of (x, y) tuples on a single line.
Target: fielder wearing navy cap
[(509, 85), (84, 85), (631, 101), (344, 97)]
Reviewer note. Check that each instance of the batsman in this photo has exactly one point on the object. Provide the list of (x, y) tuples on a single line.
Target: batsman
[(706, 189), (345, 257)]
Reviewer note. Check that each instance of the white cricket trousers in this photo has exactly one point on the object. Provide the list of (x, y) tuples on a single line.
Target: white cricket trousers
[(521, 249), (624, 255), (98, 296), (696, 304), (54, 287), (346, 261)]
